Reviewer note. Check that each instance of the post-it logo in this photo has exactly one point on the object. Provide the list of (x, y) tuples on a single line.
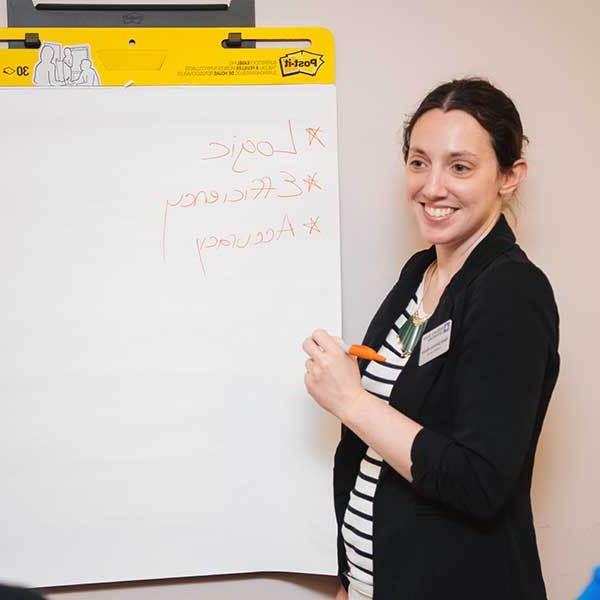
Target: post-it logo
[(300, 61)]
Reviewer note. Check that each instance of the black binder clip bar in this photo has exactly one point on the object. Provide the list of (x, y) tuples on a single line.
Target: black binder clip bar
[(31, 40), (234, 40), (59, 6)]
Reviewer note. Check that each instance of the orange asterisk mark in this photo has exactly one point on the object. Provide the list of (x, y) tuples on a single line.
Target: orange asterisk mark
[(312, 225), (313, 135), (311, 182)]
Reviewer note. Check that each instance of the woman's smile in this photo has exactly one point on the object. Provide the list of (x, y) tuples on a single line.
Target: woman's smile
[(438, 214)]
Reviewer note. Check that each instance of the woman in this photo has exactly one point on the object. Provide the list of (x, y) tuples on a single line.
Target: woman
[(432, 475)]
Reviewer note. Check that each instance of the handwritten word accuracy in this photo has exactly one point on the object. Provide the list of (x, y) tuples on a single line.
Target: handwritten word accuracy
[(263, 237)]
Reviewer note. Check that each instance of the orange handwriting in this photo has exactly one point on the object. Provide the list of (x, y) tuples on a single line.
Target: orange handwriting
[(239, 153), (313, 135), (287, 185), (260, 188), (238, 241)]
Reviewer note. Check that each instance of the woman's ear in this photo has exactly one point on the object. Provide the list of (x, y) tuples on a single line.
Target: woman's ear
[(513, 178)]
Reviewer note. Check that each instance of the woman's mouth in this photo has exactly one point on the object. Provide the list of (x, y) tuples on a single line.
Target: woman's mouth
[(438, 213)]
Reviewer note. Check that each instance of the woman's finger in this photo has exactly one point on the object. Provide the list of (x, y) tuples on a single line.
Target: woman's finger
[(312, 348), (338, 340), (325, 341)]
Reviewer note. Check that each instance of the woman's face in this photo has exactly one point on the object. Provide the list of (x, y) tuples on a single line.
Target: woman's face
[(452, 178)]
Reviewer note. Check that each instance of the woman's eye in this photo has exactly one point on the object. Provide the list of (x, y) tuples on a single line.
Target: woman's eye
[(416, 163), (460, 168)]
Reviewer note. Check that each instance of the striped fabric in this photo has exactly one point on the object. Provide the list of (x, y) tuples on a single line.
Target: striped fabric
[(357, 529)]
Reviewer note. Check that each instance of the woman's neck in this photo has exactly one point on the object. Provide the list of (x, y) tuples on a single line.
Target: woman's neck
[(451, 258)]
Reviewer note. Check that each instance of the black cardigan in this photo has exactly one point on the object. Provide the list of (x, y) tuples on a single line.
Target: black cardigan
[(464, 528)]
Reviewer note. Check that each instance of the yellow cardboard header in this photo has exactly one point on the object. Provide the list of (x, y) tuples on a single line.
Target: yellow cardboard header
[(167, 56)]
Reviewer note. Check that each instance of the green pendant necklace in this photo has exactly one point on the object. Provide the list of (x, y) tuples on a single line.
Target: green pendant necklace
[(411, 330)]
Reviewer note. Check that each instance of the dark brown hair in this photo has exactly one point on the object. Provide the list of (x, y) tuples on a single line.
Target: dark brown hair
[(492, 108)]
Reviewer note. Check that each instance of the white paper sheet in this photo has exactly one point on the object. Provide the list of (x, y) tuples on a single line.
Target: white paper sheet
[(164, 252)]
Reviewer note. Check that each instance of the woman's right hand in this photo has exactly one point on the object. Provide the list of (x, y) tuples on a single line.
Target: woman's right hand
[(342, 594)]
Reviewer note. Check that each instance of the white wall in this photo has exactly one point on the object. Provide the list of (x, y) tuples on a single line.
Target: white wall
[(545, 55)]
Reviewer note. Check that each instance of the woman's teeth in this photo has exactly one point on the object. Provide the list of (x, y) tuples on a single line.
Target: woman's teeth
[(439, 212)]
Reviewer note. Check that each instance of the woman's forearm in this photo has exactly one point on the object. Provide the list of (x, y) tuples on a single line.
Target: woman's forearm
[(383, 428)]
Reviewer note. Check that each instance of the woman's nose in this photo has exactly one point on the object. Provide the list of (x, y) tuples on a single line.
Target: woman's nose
[(435, 185)]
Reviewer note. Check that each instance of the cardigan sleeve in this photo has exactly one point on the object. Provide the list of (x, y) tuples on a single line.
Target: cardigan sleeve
[(509, 333)]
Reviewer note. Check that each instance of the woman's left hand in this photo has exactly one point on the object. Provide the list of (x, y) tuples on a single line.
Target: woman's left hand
[(332, 377)]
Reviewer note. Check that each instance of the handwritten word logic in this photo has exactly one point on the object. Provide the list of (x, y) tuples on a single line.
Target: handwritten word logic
[(239, 153)]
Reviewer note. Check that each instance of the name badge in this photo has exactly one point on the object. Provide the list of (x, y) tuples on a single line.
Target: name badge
[(435, 342)]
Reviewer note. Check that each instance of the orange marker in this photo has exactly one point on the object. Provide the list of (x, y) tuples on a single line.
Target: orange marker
[(363, 352)]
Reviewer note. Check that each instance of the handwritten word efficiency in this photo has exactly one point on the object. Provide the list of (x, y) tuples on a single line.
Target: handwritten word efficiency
[(286, 185)]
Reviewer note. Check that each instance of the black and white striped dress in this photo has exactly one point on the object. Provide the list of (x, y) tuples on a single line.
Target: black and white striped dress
[(357, 529)]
